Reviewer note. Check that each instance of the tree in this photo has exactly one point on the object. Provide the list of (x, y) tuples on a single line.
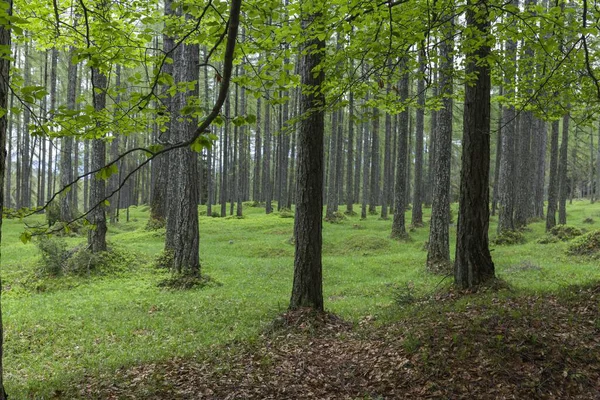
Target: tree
[(438, 249), (307, 289), (473, 262), (400, 198), (5, 41), (562, 172), (417, 210)]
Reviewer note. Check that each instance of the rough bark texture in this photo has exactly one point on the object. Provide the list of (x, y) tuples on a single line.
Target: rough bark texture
[(307, 290), (267, 185), (553, 178), (524, 195), (400, 198), (183, 191), (417, 210), (67, 206), (562, 172), (374, 192), (4, 88), (438, 250), (539, 144), (387, 162), (473, 262), (97, 236), (332, 193), (365, 170), (350, 174), (507, 175), (256, 188), (25, 182)]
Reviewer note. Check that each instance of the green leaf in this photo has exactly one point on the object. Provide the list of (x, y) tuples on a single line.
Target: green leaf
[(25, 237), (107, 172)]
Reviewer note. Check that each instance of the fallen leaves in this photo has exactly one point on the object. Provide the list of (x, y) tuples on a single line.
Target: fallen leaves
[(506, 348)]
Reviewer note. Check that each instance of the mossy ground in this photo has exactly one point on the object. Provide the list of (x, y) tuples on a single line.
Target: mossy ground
[(59, 330)]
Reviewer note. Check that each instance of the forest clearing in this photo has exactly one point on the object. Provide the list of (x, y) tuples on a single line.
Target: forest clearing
[(400, 331)]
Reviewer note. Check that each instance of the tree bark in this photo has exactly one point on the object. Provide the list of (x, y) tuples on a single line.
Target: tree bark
[(562, 172), (66, 157), (307, 290), (438, 250), (4, 89), (553, 182), (350, 174), (375, 191), (400, 198), (473, 261), (417, 210)]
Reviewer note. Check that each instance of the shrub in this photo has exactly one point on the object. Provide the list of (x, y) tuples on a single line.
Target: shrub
[(215, 214), (336, 218), (286, 213), (565, 232), (83, 261), (586, 245), (54, 255), (548, 239), (155, 224), (507, 238), (164, 259), (52, 213), (254, 204), (588, 221)]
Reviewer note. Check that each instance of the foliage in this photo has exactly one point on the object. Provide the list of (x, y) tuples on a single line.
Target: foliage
[(286, 213), (54, 255), (155, 224), (164, 259), (337, 217), (565, 232), (186, 282), (507, 238), (586, 245)]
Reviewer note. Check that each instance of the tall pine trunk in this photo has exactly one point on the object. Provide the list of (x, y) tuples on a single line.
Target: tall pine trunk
[(562, 172)]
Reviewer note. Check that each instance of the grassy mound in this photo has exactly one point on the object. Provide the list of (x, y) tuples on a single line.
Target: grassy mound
[(586, 245), (508, 238), (565, 232)]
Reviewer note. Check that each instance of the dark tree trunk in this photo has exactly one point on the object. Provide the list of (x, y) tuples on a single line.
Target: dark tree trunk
[(41, 197), (438, 250), (562, 172), (225, 159), (400, 198), (97, 236), (524, 193), (113, 182), (4, 88), (417, 210), (473, 262), (8, 138), (307, 290), (431, 145), (387, 162), (359, 160), (375, 191), (86, 181), (339, 175)]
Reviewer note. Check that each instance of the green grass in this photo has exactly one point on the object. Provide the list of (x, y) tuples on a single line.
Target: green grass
[(58, 330)]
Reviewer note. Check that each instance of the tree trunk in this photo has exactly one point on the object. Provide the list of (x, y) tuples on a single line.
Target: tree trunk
[(438, 250), (267, 185), (25, 182), (524, 193), (562, 172), (256, 188), (399, 222), (387, 162), (66, 157), (539, 167), (473, 262), (496, 188), (350, 174), (4, 88), (417, 210), (553, 182), (366, 163), (307, 290), (97, 235), (53, 99), (375, 191)]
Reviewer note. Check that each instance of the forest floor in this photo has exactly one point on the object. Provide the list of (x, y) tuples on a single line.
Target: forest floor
[(394, 330), (457, 347)]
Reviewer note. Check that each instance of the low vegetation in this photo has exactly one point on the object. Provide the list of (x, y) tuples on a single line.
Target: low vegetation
[(114, 332)]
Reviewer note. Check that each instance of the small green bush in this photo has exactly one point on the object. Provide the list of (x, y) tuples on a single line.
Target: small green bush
[(565, 232), (164, 259), (286, 213), (548, 239), (52, 213), (507, 238), (254, 204), (54, 255), (588, 221), (215, 214), (155, 224), (586, 245), (337, 217)]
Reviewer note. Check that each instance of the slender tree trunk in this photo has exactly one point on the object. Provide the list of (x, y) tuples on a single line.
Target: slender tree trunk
[(366, 163), (332, 192), (375, 191), (257, 182), (25, 145), (387, 161), (267, 185), (113, 182), (495, 194), (97, 236), (350, 173), (53, 99), (438, 250), (473, 261), (4, 88), (225, 160), (431, 145), (539, 167), (7, 202), (562, 172), (307, 289), (66, 156), (417, 210), (553, 182), (358, 162), (400, 198)]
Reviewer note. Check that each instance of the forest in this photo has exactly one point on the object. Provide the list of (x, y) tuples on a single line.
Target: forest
[(285, 199)]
